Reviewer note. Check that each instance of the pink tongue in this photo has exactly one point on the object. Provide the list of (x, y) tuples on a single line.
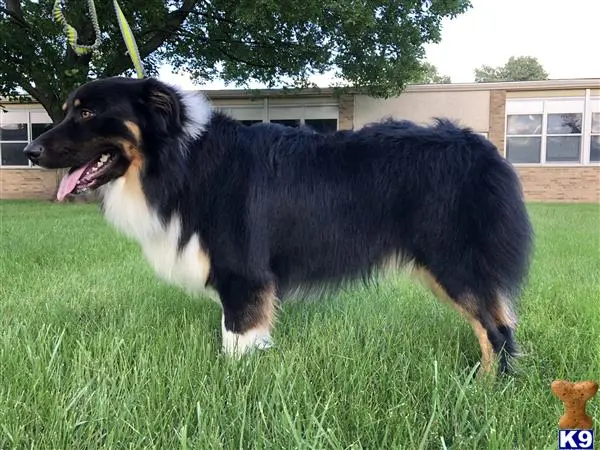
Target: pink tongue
[(68, 183)]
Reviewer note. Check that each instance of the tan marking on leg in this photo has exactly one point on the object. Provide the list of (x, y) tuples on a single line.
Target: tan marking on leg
[(255, 328), (487, 352), (426, 277), (468, 309), (261, 311), (503, 313)]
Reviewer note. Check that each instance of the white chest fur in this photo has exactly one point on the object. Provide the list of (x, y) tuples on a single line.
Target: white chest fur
[(126, 208)]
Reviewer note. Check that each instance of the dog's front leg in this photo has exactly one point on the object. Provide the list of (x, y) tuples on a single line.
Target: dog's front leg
[(248, 314)]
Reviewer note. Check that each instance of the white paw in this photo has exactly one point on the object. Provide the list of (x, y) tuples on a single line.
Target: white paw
[(236, 345)]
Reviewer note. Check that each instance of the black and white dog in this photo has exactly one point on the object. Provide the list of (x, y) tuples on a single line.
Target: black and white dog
[(255, 212)]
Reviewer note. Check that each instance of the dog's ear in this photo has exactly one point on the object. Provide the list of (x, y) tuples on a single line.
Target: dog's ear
[(163, 104)]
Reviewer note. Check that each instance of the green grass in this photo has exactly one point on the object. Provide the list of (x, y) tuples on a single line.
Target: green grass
[(95, 352)]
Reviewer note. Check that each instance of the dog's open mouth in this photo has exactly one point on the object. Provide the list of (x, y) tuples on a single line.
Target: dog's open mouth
[(86, 177)]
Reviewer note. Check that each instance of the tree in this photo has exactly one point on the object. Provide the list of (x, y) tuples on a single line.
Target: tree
[(430, 75), (519, 68), (374, 44)]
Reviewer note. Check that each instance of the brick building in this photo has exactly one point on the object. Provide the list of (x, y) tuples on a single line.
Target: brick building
[(549, 130)]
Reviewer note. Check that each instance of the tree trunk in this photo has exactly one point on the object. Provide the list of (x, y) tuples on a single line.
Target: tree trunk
[(55, 112)]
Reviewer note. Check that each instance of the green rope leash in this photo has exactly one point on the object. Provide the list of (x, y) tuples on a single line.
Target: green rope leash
[(72, 32), (126, 32)]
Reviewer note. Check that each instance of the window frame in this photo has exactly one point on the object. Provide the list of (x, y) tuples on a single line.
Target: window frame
[(592, 107), (29, 123), (559, 135), (283, 111), (551, 105), (524, 135)]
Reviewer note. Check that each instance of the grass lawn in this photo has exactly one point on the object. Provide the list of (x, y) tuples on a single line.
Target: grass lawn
[(95, 352)]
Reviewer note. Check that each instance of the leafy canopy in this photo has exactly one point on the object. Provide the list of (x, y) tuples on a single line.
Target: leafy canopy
[(431, 75), (520, 68), (374, 44)]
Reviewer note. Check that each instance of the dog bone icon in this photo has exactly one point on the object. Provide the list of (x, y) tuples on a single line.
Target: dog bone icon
[(574, 397)]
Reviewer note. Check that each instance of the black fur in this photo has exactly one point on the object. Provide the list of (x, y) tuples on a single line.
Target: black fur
[(294, 207)]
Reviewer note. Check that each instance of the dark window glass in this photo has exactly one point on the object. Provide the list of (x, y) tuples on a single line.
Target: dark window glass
[(288, 122), (595, 122), (250, 122), (523, 149), (595, 149), (524, 124), (564, 123), (322, 125), (13, 132), (563, 148), (12, 154)]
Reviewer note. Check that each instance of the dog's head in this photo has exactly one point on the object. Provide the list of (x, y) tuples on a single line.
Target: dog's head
[(103, 132)]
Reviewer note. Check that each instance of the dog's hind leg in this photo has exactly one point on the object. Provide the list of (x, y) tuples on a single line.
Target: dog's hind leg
[(492, 322), (505, 320), (248, 314)]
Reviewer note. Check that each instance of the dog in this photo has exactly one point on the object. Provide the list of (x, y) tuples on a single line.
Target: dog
[(255, 213)]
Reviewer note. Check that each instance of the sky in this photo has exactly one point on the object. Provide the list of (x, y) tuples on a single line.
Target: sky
[(563, 36)]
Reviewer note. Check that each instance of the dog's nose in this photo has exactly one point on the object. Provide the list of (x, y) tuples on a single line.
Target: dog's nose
[(33, 151)]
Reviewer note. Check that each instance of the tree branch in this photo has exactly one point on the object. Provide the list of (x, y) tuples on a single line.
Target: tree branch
[(40, 96), (15, 12), (243, 61), (222, 18), (173, 22), (43, 93), (14, 7), (15, 19), (31, 90), (253, 43)]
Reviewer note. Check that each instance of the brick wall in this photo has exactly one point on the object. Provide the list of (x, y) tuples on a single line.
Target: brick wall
[(27, 184), (580, 184), (497, 118), (561, 184), (346, 112)]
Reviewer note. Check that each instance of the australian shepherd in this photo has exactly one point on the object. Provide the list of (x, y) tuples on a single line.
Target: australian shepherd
[(255, 213)]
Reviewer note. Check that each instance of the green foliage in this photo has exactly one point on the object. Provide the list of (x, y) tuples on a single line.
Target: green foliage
[(374, 44), (430, 75), (519, 68)]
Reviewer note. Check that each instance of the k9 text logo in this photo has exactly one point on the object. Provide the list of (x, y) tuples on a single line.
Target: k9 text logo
[(575, 439)]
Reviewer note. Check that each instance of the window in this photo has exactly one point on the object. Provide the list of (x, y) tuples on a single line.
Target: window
[(563, 140), (552, 131), (17, 129), (322, 125), (14, 136), (319, 117), (524, 138), (595, 138), (250, 122), (287, 122), (322, 118)]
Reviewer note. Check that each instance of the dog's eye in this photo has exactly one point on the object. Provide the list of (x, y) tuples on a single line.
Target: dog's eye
[(86, 114)]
